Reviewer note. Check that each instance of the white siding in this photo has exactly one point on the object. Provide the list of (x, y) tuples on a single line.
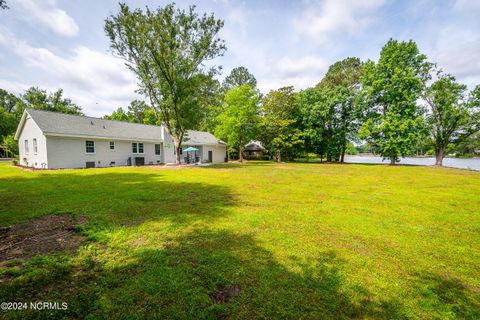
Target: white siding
[(32, 131), (70, 153), (218, 153)]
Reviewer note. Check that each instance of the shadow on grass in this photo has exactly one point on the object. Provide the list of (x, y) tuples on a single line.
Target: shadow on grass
[(180, 278), (443, 295), (110, 198)]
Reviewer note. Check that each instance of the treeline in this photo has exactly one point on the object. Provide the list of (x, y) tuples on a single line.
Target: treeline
[(400, 105), (397, 106), (11, 110)]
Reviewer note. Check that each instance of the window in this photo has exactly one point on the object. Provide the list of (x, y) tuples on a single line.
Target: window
[(112, 145), (137, 147), (26, 146), (157, 149), (35, 149), (89, 146)]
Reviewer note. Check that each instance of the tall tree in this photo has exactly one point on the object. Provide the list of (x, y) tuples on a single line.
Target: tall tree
[(39, 99), (392, 87), (341, 86), (3, 4), (238, 123), (279, 131), (238, 77), (167, 49), (314, 119), (453, 116)]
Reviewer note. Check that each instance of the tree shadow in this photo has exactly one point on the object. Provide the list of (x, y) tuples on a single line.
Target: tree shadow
[(111, 198), (182, 278), (446, 296)]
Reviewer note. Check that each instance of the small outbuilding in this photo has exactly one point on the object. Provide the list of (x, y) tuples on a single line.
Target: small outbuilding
[(253, 150)]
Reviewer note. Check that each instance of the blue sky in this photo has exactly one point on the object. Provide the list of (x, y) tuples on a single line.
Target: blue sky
[(61, 43)]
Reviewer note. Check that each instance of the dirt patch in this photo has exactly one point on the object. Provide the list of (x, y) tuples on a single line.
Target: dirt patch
[(41, 236), (224, 294)]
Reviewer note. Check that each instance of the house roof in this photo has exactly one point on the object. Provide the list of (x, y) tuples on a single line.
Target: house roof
[(68, 125), (201, 137), (61, 124)]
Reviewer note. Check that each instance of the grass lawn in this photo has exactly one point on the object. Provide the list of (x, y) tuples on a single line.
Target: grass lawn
[(307, 241)]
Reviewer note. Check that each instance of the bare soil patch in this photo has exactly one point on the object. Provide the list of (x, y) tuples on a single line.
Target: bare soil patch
[(225, 294), (41, 236)]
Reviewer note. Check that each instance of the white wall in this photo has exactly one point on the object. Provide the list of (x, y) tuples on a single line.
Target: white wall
[(70, 153), (218, 153), (31, 159)]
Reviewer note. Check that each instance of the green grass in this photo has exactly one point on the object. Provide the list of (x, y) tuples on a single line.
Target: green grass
[(307, 241)]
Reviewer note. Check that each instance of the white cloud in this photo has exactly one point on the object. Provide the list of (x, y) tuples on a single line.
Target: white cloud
[(467, 5), (97, 81), (456, 51), (300, 72), (47, 14), (308, 65), (321, 20)]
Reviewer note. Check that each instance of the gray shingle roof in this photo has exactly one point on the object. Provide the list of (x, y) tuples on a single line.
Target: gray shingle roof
[(201, 137), (61, 124), (254, 146), (72, 125)]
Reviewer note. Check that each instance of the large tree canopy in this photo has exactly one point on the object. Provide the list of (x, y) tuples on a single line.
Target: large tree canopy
[(39, 99), (392, 88), (167, 49), (452, 117), (239, 121), (279, 133), (341, 86)]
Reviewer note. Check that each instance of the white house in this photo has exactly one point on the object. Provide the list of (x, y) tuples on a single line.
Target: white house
[(53, 140)]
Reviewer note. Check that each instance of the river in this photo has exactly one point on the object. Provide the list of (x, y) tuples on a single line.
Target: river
[(472, 164)]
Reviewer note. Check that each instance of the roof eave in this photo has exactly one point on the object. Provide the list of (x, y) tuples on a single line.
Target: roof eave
[(85, 136), (20, 126)]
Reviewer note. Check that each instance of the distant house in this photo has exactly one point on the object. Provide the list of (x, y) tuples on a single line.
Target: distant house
[(253, 150), (54, 140)]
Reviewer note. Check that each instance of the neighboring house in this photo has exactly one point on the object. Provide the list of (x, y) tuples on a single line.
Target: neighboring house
[(253, 150), (54, 140)]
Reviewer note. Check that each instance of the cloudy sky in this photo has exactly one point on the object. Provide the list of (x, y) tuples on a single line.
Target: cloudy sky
[(61, 43)]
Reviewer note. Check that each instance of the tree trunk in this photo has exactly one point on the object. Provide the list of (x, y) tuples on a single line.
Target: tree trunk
[(177, 145), (342, 155), (177, 151), (279, 156), (439, 155), (240, 153), (392, 160)]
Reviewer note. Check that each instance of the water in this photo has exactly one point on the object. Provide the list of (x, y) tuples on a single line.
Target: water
[(472, 164)]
